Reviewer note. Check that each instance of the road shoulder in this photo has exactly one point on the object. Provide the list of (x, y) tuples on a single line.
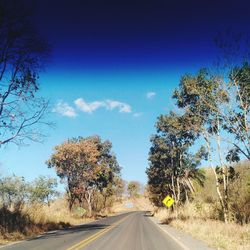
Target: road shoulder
[(182, 239)]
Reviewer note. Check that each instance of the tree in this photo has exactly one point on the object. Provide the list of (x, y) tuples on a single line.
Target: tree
[(14, 191), (120, 185), (204, 97), (23, 53), (87, 165), (133, 189), (42, 190), (172, 168), (232, 67), (237, 120), (215, 110)]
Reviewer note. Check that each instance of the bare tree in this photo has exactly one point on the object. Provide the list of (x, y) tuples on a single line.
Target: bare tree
[(23, 54)]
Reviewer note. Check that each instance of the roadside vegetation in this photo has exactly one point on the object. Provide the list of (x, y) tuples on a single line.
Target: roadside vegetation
[(202, 217), (210, 126), (90, 171), (91, 174), (23, 205)]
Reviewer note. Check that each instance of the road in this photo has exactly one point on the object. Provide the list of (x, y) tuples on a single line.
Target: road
[(130, 231)]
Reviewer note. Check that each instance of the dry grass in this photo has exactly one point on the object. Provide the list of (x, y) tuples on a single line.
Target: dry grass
[(139, 204), (217, 234), (37, 219), (58, 212), (120, 207), (198, 223), (142, 204)]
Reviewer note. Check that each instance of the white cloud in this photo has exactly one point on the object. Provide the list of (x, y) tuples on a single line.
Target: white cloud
[(89, 107), (121, 106), (64, 109), (151, 95)]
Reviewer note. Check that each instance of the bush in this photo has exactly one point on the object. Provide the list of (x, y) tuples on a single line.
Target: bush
[(14, 192), (42, 190), (240, 196)]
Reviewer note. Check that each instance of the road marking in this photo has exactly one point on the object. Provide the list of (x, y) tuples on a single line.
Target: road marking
[(85, 242), (170, 235)]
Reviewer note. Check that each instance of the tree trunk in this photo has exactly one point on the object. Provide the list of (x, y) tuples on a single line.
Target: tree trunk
[(186, 194), (224, 174), (90, 209), (216, 177), (88, 198)]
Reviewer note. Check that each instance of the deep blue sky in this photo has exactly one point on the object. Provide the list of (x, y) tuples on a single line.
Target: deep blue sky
[(139, 33), (129, 54)]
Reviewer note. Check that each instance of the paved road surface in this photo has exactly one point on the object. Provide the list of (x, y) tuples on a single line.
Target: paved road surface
[(131, 231)]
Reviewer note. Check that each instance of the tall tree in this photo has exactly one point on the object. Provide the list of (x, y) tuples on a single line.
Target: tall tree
[(87, 165), (23, 53), (203, 97), (172, 168), (237, 119)]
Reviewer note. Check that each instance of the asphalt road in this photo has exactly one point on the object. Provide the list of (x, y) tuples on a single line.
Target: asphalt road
[(131, 231)]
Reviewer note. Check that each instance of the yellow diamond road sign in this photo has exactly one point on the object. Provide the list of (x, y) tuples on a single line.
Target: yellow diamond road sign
[(168, 201)]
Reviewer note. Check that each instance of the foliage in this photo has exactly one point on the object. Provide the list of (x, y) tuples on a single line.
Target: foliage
[(239, 200), (14, 191), (23, 53), (214, 108), (120, 186), (172, 167), (43, 190), (133, 188), (88, 166)]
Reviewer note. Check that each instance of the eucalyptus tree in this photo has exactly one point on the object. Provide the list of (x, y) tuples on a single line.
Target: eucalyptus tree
[(172, 167), (232, 65), (237, 120), (203, 97)]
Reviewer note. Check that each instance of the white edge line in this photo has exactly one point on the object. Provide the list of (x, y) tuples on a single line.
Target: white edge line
[(11, 243), (170, 235)]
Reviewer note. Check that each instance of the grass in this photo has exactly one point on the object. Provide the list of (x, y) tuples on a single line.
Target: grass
[(140, 203), (214, 233), (37, 219), (217, 234), (58, 212)]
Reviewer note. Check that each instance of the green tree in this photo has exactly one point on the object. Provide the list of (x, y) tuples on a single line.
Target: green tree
[(43, 190), (172, 168), (14, 192), (204, 97), (133, 188), (237, 119)]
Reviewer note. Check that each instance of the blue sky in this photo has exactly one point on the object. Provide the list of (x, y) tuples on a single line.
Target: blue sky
[(113, 68), (128, 104)]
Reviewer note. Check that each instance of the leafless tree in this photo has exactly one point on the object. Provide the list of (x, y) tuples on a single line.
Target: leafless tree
[(23, 54)]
